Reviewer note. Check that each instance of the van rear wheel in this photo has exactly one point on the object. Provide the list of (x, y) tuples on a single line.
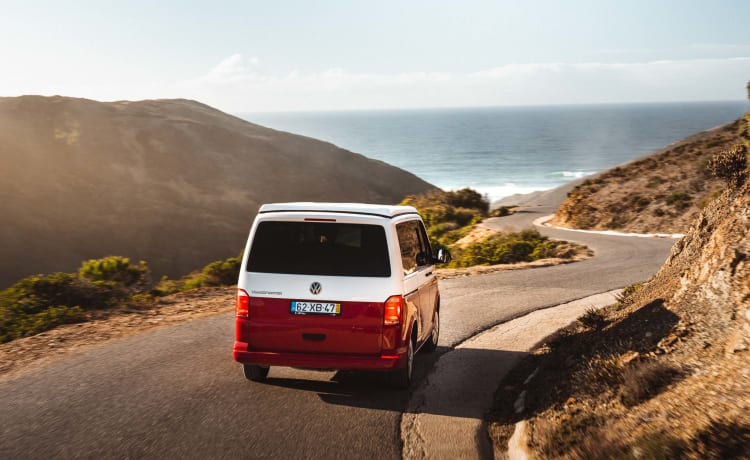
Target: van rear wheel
[(254, 372), (401, 378)]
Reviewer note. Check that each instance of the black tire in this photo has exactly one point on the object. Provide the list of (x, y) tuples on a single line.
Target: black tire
[(401, 378), (255, 373), (432, 342)]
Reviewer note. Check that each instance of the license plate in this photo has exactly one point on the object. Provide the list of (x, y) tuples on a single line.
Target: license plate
[(316, 308)]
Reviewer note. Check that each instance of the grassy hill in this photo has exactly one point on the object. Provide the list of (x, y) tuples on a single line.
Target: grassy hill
[(661, 193), (173, 182)]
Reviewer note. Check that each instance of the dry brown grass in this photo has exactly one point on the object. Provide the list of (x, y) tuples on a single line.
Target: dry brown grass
[(661, 193)]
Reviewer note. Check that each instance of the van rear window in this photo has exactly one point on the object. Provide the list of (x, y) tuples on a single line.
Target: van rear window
[(319, 248)]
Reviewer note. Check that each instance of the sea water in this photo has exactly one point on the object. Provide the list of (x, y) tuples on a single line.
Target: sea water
[(505, 150)]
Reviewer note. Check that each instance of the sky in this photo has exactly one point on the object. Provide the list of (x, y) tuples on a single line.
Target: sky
[(259, 56)]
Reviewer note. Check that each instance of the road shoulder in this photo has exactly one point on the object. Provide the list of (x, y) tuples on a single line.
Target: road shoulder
[(444, 418)]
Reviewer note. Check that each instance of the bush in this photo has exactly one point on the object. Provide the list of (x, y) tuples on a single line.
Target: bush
[(447, 212), (217, 273), (40, 302), (506, 248), (17, 324), (116, 272), (730, 165), (470, 199)]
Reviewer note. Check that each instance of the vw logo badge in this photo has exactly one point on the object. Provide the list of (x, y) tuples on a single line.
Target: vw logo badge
[(315, 288)]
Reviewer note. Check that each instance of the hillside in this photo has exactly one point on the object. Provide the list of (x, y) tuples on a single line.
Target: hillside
[(663, 373), (661, 193), (172, 182)]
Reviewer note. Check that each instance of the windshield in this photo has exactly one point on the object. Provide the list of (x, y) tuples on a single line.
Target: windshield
[(319, 248)]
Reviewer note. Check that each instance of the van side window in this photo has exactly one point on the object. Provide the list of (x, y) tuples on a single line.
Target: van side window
[(415, 249)]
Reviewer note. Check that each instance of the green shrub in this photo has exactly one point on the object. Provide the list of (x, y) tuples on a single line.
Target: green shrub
[(452, 236), (38, 303), (41, 302), (217, 273), (445, 213), (469, 199), (506, 248), (15, 324), (116, 272), (38, 292), (438, 230)]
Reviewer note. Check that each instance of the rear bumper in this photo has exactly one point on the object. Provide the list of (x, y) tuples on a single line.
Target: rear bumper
[(318, 361)]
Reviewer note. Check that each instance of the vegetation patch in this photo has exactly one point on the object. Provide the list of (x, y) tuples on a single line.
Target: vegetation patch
[(508, 248), (41, 302), (451, 216), (217, 273)]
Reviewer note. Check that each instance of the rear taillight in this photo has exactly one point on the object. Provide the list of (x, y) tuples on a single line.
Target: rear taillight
[(242, 307), (394, 308)]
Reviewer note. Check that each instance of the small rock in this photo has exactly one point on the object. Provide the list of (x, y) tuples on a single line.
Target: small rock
[(648, 334)]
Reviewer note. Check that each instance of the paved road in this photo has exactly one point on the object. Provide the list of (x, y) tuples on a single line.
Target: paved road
[(175, 391)]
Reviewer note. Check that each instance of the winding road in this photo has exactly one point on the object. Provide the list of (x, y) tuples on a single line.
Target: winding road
[(175, 391)]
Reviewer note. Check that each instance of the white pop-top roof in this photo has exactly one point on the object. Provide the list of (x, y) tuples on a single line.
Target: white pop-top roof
[(382, 210)]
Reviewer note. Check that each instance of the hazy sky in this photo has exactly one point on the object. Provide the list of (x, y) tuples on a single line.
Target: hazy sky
[(245, 56)]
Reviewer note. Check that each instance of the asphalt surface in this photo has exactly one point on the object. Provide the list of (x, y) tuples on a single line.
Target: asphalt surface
[(175, 391)]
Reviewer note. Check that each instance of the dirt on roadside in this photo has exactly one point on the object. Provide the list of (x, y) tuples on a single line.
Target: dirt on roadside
[(22, 355)]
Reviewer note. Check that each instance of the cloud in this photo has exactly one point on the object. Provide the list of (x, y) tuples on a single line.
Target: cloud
[(240, 84), (232, 70)]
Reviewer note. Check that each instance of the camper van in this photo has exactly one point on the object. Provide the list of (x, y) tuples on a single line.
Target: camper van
[(337, 286)]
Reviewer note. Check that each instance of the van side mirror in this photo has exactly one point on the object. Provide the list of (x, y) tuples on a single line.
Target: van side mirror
[(443, 256)]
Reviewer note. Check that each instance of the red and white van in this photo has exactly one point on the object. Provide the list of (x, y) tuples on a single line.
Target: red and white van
[(337, 286)]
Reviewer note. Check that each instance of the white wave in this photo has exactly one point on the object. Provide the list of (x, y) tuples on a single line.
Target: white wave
[(573, 174)]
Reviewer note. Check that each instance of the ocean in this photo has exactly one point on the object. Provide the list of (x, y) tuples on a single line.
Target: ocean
[(500, 151)]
